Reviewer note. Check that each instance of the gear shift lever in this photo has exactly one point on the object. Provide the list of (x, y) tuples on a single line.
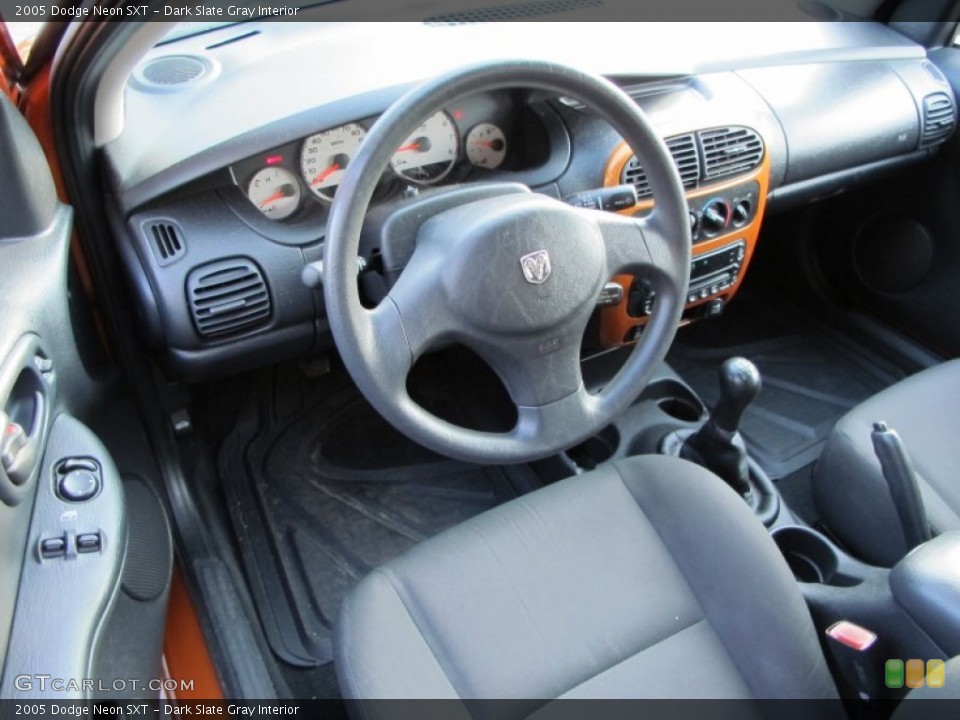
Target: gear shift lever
[(718, 445)]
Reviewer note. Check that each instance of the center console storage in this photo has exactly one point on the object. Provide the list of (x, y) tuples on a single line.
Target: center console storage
[(814, 559), (838, 587)]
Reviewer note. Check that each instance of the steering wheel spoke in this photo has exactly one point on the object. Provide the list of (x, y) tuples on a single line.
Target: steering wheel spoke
[(538, 425), (538, 371), (423, 305), (634, 245), (623, 240)]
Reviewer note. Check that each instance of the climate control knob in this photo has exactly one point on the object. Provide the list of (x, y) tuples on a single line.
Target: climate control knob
[(741, 213), (715, 217)]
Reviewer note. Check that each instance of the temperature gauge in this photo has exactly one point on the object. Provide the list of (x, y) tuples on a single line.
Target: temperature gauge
[(486, 146), (275, 192)]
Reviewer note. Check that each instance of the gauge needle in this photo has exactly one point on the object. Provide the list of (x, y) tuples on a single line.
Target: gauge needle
[(418, 145), (284, 191), (492, 144), (325, 174)]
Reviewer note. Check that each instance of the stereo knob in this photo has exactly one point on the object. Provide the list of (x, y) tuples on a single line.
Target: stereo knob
[(741, 213), (694, 224), (716, 215)]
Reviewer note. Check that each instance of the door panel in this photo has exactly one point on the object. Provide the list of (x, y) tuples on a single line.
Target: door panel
[(62, 532)]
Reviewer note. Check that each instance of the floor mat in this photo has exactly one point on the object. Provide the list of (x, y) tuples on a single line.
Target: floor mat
[(322, 494), (811, 378)]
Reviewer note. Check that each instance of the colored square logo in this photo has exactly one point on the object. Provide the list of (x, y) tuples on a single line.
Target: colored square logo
[(916, 670), (893, 673), (936, 674)]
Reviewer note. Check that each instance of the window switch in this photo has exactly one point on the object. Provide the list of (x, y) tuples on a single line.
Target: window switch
[(53, 548), (88, 543)]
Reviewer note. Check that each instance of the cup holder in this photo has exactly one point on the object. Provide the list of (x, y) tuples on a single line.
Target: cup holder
[(597, 449), (811, 557), (680, 408), (675, 400)]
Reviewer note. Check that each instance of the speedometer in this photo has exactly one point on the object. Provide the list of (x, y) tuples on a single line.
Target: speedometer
[(430, 152), (326, 155)]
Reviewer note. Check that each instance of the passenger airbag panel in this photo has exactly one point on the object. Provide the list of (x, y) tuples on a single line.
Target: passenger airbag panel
[(838, 115)]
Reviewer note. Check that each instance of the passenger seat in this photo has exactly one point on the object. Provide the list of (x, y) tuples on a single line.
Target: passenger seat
[(848, 486)]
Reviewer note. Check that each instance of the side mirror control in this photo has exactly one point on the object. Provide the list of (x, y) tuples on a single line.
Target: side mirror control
[(78, 479)]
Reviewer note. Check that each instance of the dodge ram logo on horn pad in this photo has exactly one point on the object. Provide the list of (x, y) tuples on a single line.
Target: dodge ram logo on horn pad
[(536, 267)]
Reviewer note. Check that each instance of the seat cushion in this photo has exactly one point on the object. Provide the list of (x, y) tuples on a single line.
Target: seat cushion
[(849, 489), (647, 578)]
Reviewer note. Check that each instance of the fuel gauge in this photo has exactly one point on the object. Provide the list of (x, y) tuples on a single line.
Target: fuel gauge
[(275, 192), (486, 146)]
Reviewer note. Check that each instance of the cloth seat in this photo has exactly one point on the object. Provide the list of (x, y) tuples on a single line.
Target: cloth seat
[(646, 578), (848, 485)]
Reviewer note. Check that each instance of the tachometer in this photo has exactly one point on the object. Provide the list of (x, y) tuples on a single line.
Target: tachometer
[(486, 145), (275, 192), (326, 155), (430, 152)]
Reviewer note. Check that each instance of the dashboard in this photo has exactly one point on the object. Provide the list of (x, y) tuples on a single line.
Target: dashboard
[(219, 242)]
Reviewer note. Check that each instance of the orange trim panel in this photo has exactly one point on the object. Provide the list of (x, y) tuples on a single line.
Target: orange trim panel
[(184, 647), (616, 324)]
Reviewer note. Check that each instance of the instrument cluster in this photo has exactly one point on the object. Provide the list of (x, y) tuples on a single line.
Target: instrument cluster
[(479, 136)]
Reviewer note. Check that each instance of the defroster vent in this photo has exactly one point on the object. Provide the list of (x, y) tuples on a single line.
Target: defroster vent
[(167, 241), (729, 151), (227, 298), (938, 119), (683, 149)]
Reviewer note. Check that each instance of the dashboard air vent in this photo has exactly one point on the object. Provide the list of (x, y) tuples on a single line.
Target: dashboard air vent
[(938, 119), (228, 298), (683, 149), (730, 151), (166, 240)]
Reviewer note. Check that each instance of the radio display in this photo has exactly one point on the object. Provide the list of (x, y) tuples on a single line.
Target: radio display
[(714, 262)]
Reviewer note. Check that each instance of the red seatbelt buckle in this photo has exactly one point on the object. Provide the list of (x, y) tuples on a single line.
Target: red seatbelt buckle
[(852, 635)]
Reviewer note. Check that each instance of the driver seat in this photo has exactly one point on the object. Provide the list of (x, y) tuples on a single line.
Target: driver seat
[(647, 578)]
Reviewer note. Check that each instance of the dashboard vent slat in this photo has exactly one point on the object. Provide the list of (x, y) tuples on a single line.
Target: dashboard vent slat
[(939, 119), (683, 149), (228, 298), (166, 240), (729, 151)]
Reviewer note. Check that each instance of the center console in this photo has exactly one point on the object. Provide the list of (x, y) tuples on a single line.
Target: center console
[(726, 212), (926, 583), (865, 615)]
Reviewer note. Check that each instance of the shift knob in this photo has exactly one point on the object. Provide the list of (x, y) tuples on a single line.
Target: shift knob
[(739, 385)]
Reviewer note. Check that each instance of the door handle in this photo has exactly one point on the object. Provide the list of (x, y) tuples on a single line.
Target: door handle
[(27, 382), (19, 451)]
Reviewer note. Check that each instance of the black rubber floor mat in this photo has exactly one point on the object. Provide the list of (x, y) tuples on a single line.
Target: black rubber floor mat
[(322, 495), (810, 380)]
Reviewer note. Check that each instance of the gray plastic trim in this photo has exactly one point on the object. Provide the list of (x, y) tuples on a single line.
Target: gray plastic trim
[(54, 632)]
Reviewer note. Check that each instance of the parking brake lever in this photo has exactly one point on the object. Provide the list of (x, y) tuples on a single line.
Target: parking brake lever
[(902, 480)]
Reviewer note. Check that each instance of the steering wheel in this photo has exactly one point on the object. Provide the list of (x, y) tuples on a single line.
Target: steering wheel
[(514, 277)]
